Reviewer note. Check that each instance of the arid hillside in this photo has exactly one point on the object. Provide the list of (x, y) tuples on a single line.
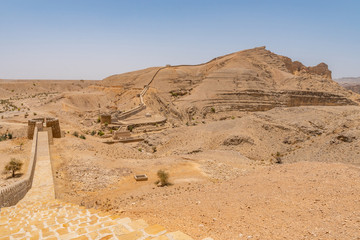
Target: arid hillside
[(250, 80)]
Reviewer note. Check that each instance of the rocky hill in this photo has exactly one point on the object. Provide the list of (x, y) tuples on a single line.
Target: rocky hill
[(249, 80)]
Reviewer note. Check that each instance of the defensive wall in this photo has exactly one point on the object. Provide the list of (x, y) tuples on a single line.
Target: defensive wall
[(52, 123), (12, 194)]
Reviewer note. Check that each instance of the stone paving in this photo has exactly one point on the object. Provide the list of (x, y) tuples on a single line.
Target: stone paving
[(40, 216), (58, 220)]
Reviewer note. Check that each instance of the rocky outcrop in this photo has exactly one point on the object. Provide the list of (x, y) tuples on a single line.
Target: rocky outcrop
[(297, 68)]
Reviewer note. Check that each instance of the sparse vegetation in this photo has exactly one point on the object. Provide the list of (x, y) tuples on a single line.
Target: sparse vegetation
[(13, 166), (76, 134), (163, 178), (101, 133), (82, 137), (278, 158), (130, 128), (6, 136), (212, 110), (93, 133)]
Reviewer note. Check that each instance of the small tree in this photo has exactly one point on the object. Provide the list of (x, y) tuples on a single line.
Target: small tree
[(13, 166), (163, 178)]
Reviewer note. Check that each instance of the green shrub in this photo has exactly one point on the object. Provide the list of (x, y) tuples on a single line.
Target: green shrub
[(93, 133), (76, 134), (100, 133), (130, 128), (82, 137), (3, 137)]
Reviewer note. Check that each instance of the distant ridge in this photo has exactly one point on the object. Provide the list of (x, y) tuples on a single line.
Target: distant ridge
[(350, 83)]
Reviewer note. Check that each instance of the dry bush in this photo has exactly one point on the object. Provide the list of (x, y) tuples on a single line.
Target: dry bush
[(163, 178), (13, 166)]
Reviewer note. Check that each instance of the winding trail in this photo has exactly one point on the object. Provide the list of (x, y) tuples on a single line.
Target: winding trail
[(142, 105)]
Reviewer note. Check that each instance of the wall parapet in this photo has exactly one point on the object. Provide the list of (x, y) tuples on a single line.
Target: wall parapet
[(131, 112), (53, 123), (12, 194)]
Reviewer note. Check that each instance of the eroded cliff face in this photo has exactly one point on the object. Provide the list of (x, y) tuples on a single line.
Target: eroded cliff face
[(250, 80)]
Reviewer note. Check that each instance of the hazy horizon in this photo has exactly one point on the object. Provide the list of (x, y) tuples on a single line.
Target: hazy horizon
[(71, 40)]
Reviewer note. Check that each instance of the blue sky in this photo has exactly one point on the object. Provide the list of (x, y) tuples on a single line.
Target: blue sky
[(88, 39)]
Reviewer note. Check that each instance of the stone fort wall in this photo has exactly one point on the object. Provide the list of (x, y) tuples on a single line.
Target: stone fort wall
[(52, 123), (12, 194)]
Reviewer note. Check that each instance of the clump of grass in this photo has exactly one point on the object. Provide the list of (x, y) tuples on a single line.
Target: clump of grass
[(76, 134), (82, 137), (101, 133), (93, 132), (212, 110)]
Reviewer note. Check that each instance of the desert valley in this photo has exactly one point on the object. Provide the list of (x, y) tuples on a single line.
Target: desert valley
[(256, 146)]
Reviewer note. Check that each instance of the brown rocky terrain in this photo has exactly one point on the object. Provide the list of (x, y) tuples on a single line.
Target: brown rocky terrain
[(257, 146)]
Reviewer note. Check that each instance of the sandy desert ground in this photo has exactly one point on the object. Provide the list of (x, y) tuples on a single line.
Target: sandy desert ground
[(257, 146)]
